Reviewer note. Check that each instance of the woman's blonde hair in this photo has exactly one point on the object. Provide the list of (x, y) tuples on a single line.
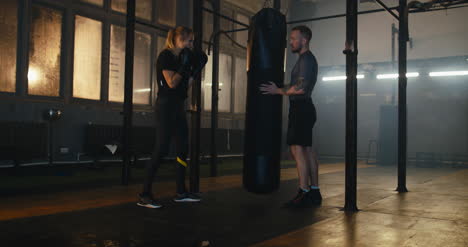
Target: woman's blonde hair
[(173, 34)]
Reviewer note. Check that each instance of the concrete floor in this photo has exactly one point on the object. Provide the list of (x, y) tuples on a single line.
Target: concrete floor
[(433, 213)]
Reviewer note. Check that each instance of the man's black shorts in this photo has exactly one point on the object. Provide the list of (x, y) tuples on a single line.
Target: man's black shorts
[(302, 117)]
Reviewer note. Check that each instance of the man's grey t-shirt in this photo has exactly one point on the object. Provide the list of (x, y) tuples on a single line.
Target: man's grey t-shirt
[(304, 73)]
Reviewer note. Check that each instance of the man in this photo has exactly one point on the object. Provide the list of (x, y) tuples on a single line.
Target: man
[(302, 117)]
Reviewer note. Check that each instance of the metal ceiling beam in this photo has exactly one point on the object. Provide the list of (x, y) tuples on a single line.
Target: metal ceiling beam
[(387, 9)]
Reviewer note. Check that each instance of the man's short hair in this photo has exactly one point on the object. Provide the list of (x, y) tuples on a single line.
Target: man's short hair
[(305, 32)]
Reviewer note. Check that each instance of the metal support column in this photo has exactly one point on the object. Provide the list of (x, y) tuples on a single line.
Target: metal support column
[(351, 106), (403, 38), (196, 100), (394, 32), (277, 5), (128, 94), (215, 90)]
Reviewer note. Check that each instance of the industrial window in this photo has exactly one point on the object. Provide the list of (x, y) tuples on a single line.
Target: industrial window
[(8, 32), (143, 7), (167, 12), (44, 52), (87, 58), (225, 69), (141, 68), (95, 2), (240, 85)]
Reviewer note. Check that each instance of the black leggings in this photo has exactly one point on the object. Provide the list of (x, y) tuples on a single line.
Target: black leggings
[(171, 122)]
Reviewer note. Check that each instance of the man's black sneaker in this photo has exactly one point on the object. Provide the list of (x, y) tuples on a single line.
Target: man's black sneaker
[(187, 197), (147, 202), (314, 197), (300, 200)]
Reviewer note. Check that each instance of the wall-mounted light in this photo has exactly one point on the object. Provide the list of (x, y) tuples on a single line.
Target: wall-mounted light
[(393, 76), (209, 84), (143, 90), (340, 78), (448, 73)]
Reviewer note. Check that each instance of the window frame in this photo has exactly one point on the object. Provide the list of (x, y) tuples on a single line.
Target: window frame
[(69, 9)]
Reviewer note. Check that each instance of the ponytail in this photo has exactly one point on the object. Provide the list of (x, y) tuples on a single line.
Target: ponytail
[(182, 31)]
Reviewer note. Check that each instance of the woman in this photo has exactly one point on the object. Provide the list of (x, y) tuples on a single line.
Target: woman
[(176, 65)]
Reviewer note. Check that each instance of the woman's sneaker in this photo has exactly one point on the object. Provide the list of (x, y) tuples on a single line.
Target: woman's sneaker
[(147, 202), (314, 196), (187, 197), (300, 200)]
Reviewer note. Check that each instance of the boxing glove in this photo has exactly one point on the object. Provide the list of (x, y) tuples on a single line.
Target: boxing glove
[(185, 62), (199, 62)]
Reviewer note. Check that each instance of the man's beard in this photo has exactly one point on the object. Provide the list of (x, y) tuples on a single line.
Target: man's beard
[(297, 50)]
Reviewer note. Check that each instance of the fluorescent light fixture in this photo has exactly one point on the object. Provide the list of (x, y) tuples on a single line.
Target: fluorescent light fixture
[(412, 74), (334, 78), (143, 90), (387, 76), (448, 73), (393, 76), (209, 84), (340, 78)]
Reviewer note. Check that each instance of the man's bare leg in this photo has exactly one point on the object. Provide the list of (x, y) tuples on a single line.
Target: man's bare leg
[(313, 163), (303, 169), (314, 194)]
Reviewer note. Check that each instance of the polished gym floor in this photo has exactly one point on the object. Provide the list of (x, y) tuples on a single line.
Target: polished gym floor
[(433, 213)]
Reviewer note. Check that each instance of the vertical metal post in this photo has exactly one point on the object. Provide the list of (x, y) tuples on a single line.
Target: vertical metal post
[(394, 31), (403, 38), (22, 61), (196, 96), (51, 143), (215, 90), (128, 94), (351, 106), (277, 5)]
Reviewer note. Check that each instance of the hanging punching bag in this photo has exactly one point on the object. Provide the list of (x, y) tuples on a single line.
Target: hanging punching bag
[(262, 141)]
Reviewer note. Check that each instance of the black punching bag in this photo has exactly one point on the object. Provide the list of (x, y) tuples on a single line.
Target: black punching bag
[(265, 62)]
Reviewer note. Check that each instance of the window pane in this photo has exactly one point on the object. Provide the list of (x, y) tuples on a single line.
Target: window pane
[(143, 7), (224, 101), (226, 25), (117, 64), (161, 44), (44, 52), (206, 82), (160, 47), (207, 25), (95, 2), (87, 59), (166, 11), (8, 32), (243, 36), (225, 77), (240, 86), (141, 68)]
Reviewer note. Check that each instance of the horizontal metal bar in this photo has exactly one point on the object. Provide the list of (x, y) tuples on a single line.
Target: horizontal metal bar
[(225, 17), (151, 25), (370, 12), (236, 30), (337, 16)]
